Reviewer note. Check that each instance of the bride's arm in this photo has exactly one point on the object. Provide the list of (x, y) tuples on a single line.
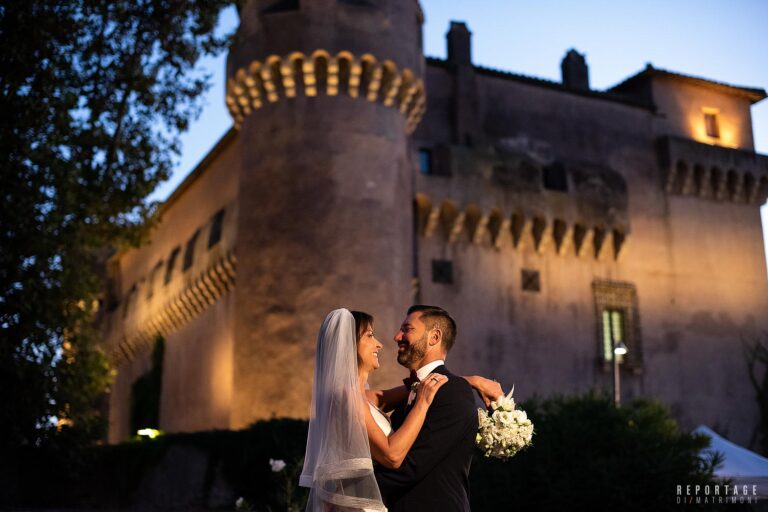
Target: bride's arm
[(391, 451), (387, 399)]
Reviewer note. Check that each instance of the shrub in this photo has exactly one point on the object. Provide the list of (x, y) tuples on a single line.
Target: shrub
[(588, 454)]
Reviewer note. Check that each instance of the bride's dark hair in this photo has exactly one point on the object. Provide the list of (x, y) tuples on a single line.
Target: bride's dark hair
[(362, 322)]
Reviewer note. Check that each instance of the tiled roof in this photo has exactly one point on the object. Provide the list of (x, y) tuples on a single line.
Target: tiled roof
[(751, 93)]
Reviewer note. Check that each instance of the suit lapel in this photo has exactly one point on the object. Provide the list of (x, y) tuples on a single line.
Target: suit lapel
[(441, 370)]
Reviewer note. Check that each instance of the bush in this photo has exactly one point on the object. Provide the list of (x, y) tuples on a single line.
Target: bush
[(588, 454)]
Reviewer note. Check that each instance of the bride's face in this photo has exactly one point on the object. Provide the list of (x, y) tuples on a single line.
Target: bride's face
[(368, 350)]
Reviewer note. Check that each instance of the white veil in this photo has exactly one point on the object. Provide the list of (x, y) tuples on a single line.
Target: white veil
[(337, 464)]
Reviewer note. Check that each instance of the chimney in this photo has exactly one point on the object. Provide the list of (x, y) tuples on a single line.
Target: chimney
[(575, 71), (459, 45)]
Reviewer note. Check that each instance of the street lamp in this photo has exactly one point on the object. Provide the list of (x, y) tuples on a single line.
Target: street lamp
[(618, 350)]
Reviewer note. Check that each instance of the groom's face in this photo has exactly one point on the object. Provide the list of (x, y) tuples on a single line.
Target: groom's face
[(411, 341)]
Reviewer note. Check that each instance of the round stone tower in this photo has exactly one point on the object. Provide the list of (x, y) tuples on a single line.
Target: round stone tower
[(324, 94)]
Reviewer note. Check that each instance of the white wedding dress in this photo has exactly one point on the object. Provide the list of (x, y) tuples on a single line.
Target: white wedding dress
[(338, 469), (381, 419)]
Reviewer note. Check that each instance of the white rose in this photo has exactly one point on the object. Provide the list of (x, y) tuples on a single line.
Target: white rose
[(503, 417), (277, 465)]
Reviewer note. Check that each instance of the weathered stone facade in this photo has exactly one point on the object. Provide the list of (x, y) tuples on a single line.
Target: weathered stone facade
[(550, 219)]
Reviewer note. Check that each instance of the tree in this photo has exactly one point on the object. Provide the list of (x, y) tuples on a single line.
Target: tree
[(93, 95)]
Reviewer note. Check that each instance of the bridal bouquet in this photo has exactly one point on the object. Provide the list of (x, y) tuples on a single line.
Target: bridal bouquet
[(503, 430)]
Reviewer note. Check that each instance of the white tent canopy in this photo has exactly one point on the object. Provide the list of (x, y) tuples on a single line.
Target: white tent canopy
[(740, 465)]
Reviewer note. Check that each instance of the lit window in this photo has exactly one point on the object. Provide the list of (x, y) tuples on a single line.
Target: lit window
[(425, 161), (618, 321), (711, 123), (613, 328)]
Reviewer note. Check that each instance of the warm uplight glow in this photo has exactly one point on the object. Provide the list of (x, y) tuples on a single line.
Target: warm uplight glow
[(148, 432), (707, 126), (712, 122)]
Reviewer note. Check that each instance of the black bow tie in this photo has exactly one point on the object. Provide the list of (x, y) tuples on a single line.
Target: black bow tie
[(409, 381)]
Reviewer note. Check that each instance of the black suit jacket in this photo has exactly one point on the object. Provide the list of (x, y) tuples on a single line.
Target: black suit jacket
[(435, 473)]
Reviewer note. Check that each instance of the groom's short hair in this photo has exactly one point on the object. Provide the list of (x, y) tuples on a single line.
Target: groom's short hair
[(433, 316)]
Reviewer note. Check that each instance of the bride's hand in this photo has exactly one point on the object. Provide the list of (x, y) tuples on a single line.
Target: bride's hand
[(429, 386)]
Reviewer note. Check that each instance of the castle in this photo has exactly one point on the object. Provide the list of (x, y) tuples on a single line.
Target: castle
[(552, 220)]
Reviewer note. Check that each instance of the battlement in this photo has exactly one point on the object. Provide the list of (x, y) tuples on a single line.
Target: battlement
[(358, 77)]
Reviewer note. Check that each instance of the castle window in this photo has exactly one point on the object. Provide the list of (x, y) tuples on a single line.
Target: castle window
[(555, 178), (425, 161), (711, 123), (617, 321), (216, 223), (613, 331), (189, 252), (442, 271), (152, 278), (171, 263), (530, 280)]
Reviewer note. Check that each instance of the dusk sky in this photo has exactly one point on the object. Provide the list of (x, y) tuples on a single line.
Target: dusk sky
[(721, 41)]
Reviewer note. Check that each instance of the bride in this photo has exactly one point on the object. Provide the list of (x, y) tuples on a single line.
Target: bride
[(348, 427)]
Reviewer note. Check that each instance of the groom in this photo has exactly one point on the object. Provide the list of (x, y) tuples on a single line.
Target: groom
[(435, 473)]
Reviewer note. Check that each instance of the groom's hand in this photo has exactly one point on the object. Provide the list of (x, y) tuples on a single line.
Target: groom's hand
[(489, 390)]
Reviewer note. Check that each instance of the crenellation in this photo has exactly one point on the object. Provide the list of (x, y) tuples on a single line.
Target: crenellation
[(563, 235), (689, 176), (491, 227), (542, 232), (278, 77), (582, 239)]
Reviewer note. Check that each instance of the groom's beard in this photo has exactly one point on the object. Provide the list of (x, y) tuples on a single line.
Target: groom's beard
[(414, 353)]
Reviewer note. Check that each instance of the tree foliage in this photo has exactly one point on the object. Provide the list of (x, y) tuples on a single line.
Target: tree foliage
[(93, 95)]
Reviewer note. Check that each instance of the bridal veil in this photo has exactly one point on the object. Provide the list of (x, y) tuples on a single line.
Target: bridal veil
[(337, 464)]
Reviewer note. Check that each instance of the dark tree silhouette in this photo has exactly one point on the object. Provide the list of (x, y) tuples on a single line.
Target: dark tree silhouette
[(93, 95)]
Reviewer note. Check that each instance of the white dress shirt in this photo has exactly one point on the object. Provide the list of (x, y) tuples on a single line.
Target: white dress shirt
[(422, 373)]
